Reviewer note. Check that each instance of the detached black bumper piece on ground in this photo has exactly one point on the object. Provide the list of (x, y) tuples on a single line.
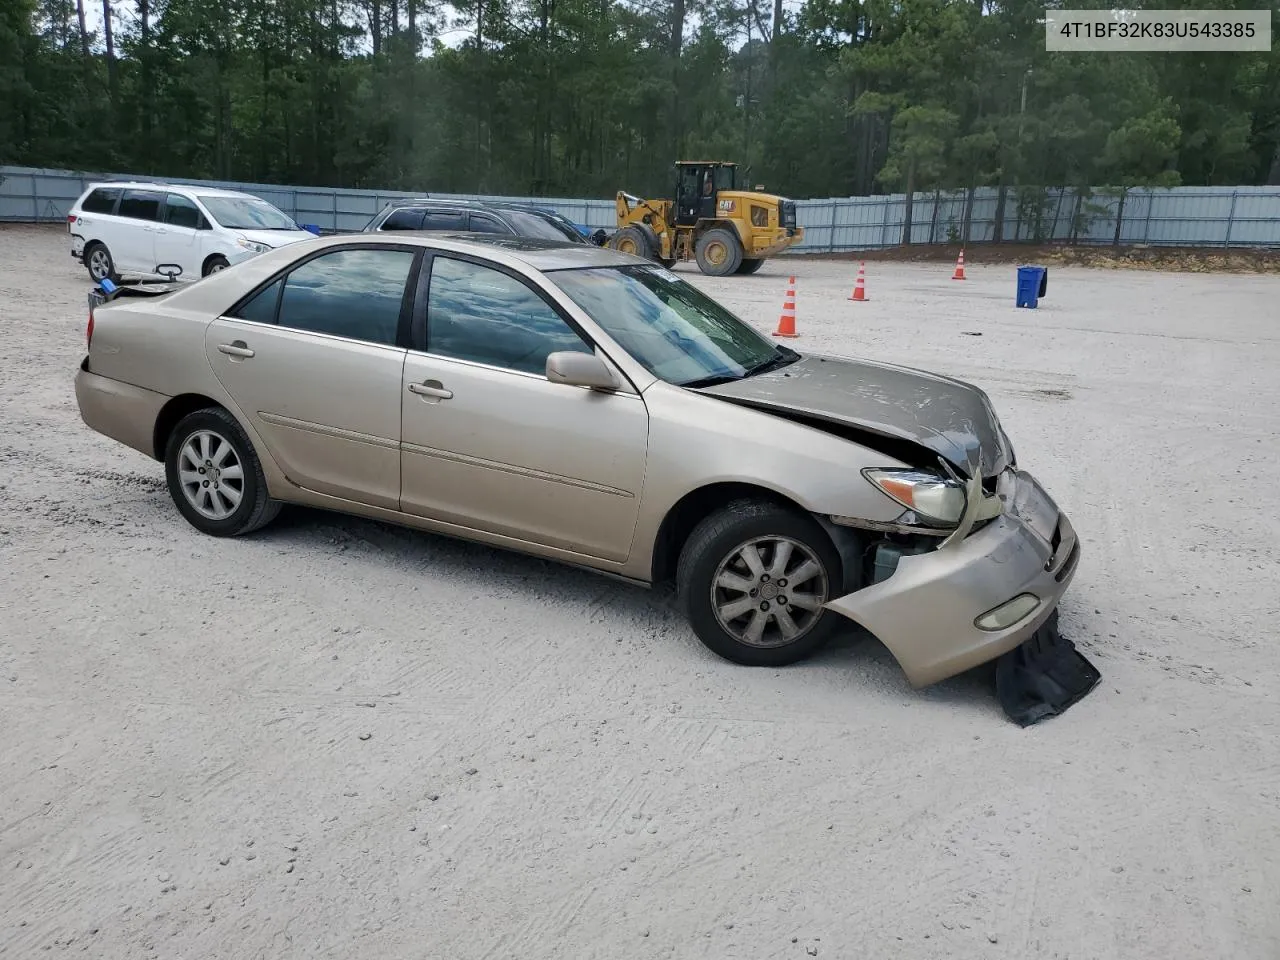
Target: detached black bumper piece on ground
[(1043, 677)]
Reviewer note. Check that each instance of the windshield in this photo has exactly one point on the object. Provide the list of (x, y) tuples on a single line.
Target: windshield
[(530, 224), (236, 213), (672, 328)]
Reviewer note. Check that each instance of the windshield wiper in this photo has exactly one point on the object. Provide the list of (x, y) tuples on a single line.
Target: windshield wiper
[(711, 381), (773, 363)]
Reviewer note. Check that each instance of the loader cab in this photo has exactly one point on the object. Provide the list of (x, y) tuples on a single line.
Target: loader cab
[(697, 185)]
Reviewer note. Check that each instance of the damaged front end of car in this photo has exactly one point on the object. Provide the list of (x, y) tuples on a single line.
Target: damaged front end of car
[(968, 574)]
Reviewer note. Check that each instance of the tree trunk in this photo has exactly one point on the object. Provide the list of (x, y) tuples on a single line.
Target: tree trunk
[(84, 34), (933, 221), (675, 45), (263, 173), (413, 28), (775, 51), (375, 25), (968, 213), (144, 56), (1115, 240), (109, 37)]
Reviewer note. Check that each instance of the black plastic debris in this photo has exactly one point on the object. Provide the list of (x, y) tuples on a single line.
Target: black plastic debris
[(1044, 676)]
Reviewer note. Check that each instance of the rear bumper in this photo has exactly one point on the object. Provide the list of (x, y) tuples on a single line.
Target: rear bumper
[(119, 410), (926, 611)]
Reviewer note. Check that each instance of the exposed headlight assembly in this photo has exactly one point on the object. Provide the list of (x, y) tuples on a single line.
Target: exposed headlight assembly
[(933, 498)]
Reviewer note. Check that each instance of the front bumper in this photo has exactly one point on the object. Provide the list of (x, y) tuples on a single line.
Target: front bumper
[(769, 246), (926, 611)]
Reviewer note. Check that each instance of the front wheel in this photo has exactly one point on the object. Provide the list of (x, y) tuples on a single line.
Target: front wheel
[(754, 578), (214, 476), (718, 253), (634, 241), (216, 264)]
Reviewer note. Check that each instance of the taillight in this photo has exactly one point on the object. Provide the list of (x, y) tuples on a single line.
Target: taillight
[(88, 333), (71, 218)]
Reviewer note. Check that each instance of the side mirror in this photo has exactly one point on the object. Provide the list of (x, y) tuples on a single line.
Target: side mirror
[(580, 370), (170, 271)]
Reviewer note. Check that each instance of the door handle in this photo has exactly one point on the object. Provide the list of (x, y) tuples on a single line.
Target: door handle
[(432, 388), (238, 349)]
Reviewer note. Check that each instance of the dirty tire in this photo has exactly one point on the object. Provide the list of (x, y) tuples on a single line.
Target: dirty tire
[(98, 261), (254, 509), (749, 266), (720, 537), (214, 264), (719, 253), (634, 241)]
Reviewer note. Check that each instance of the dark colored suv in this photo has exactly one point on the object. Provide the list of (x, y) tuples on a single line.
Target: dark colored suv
[(474, 216)]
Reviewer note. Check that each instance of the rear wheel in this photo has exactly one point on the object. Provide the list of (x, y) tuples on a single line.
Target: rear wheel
[(97, 260), (214, 476), (634, 241), (753, 580), (719, 253), (750, 266)]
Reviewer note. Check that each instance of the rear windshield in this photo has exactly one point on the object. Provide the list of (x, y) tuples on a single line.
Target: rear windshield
[(530, 224), (243, 213), (102, 200)]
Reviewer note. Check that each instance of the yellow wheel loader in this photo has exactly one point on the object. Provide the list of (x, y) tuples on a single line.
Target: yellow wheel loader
[(726, 230)]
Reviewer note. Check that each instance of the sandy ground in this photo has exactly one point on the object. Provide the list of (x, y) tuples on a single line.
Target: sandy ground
[(557, 769)]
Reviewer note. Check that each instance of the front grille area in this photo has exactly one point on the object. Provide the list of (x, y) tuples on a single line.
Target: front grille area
[(788, 213)]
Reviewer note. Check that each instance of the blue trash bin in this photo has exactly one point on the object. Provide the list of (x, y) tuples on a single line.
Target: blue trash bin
[(1032, 284)]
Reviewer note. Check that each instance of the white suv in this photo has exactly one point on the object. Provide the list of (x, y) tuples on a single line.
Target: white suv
[(158, 229)]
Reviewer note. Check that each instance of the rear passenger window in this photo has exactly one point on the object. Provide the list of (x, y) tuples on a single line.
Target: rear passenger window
[(181, 212), (348, 293), (262, 308), (443, 220), (102, 200), (481, 223), (403, 220), (140, 204)]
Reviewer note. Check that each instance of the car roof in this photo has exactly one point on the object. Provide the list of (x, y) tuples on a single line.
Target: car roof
[(161, 185), (470, 204), (543, 255)]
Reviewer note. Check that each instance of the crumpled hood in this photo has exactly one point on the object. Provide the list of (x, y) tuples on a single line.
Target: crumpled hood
[(949, 417), (276, 238)]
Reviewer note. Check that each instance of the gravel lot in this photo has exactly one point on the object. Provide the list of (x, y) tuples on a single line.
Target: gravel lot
[(555, 768)]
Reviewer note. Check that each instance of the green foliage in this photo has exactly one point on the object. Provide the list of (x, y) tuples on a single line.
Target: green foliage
[(583, 97)]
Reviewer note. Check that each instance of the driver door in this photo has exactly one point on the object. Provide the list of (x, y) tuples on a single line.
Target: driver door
[(490, 444)]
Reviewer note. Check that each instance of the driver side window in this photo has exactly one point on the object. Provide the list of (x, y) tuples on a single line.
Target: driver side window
[(479, 314)]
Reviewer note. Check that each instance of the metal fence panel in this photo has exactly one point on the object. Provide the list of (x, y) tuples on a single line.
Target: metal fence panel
[(1183, 216)]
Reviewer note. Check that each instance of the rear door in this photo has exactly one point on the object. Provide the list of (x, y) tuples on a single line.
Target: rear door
[(314, 361), (177, 236), (131, 236)]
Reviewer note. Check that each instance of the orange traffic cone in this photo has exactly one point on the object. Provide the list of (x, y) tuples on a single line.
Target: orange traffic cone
[(959, 274), (860, 287), (787, 322)]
